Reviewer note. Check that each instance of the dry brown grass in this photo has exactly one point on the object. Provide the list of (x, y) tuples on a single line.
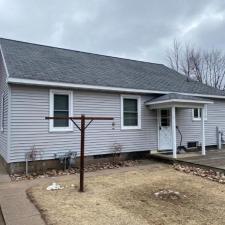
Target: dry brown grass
[(128, 198)]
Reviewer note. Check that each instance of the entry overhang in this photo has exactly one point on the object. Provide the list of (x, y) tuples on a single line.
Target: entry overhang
[(177, 100)]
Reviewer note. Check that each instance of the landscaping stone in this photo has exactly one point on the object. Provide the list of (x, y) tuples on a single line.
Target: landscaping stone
[(168, 194), (205, 173), (88, 168)]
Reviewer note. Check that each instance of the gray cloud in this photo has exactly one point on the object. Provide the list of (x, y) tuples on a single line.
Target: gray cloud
[(141, 29)]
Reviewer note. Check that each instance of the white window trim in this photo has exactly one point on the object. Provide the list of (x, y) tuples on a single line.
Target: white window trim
[(139, 112), (199, 118), (2, 113), (51, 110)]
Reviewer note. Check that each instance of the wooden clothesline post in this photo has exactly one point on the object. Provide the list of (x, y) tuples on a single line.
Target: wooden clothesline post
[(82, 129)]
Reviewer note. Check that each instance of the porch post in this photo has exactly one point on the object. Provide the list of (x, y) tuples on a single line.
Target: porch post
[(203, 130), (174, 139)]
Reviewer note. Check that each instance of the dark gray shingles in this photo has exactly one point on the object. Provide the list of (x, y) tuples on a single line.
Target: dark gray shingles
[(173, 96), (32, 61)]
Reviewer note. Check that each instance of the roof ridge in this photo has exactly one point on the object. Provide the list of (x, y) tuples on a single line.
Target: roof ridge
[(73, 50)]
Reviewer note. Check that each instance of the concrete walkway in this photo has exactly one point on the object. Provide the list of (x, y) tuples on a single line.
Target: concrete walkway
[(17, 208), (2, 222)]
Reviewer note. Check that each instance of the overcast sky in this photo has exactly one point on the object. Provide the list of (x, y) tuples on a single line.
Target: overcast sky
[(138, 29)]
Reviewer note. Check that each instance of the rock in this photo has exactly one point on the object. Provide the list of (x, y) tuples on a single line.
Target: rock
[(89, 168), (168, 194), (204, 173), (16, 175)]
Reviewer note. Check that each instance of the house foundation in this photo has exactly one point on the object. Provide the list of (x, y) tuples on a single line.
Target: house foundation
[(40, 166)]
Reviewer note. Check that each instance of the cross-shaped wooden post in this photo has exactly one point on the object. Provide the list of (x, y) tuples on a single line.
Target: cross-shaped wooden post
[(82, 129)]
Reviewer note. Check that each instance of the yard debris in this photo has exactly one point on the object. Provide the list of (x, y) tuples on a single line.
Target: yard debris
[(54, 187), (169, 195), (205, 173), (88, 168)]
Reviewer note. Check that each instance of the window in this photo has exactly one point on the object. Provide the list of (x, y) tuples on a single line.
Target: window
[(61, 104), (165, 117), (2, 112), (197, 115), (130, 112)]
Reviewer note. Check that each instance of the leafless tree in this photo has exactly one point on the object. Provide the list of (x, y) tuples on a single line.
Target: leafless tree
[(173, 56), (207, 67)]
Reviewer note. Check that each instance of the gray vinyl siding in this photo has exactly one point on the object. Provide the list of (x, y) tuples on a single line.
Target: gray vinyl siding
[(191, 129), (4, 90), (30, 105)]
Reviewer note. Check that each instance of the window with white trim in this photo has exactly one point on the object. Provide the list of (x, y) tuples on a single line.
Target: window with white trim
[(130, 112), (2, 112), (197, 114), (61, 105)]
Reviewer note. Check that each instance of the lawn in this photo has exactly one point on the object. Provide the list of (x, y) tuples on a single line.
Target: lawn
[(128, 198)]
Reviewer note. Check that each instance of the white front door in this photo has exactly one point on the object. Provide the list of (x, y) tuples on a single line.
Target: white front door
[(165, 131)]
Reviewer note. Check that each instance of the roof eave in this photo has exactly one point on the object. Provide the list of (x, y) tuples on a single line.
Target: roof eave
[(21, 81), (179, 101)]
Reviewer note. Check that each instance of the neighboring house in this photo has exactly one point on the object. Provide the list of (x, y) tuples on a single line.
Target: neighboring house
[(147, 102)]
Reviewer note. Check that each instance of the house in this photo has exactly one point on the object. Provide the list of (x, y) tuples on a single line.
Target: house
[(149, 103)]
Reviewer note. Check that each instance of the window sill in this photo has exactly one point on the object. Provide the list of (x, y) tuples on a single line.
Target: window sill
[(130, 128), (60, 130), (199, 119)]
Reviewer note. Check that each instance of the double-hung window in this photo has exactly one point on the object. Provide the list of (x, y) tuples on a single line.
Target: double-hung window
[(197, 114), (61, 105), (130, 112)]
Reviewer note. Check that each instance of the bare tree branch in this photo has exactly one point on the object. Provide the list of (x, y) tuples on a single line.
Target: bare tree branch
[(207, 67), (173, 56)]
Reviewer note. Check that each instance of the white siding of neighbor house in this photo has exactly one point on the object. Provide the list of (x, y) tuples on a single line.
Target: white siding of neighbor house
[(4, 90), (30, 105)]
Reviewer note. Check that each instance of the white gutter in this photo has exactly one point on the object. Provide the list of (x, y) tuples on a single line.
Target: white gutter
[(12, 80)]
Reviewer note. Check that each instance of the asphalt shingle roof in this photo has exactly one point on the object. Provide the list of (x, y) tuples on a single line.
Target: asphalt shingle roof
[(38, 62), (173, 96)]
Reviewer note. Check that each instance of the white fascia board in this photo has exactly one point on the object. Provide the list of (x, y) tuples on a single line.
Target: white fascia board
[(180, 101), (12, 80)]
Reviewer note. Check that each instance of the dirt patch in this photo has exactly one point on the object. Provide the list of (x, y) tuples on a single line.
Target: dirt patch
[(129, 198)]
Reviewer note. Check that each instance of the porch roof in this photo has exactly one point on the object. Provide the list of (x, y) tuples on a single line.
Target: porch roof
[(178, 100)]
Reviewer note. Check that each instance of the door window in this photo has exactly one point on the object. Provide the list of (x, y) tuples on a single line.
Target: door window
[(165, 118)]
